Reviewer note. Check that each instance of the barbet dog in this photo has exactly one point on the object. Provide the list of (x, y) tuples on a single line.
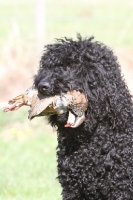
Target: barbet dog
[(95, 159)]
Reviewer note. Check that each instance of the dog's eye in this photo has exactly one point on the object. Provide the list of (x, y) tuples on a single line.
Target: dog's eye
[(43, 86)]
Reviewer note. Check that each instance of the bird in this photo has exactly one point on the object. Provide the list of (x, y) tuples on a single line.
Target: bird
[(73, 102)]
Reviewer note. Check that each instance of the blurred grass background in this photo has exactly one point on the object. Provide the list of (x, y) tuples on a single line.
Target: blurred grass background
[(28, 148), (27, 158)]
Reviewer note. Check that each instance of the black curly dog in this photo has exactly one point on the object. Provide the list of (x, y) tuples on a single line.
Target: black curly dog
[(95, 160)]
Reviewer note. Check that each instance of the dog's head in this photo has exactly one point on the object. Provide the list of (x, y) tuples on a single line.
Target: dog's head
[(61, 68), (82, 65)]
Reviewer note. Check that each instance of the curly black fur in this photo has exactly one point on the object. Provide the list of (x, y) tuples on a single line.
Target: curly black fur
[(95, 160)]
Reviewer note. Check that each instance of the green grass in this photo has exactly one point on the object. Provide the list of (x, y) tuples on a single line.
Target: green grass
[(28, 159)]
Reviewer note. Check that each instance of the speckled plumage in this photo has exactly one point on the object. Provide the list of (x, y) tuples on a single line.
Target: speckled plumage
[(73, 102)]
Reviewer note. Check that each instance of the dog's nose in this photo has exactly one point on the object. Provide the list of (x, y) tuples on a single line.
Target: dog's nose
[(43, 86)]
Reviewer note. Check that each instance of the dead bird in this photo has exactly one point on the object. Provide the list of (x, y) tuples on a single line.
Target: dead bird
[(73, 102)]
